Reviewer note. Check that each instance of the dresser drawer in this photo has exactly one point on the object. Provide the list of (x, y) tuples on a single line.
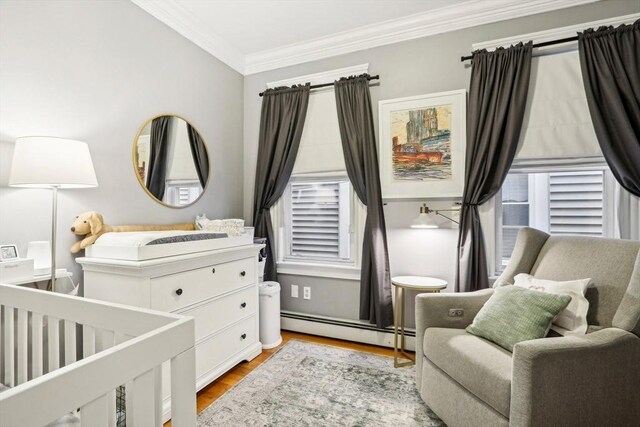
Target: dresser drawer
[(174, 291), (216, 350), (219, 348), (217, 314)]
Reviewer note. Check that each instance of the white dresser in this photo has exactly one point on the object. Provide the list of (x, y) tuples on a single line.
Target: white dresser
[(219, 288)]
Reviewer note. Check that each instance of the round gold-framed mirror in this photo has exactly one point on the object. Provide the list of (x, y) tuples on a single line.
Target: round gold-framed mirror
[(171, 161)]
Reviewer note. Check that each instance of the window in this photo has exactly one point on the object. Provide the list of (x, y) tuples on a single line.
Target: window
[(317, 220), (515, 210), (563, 202), (182, 192)]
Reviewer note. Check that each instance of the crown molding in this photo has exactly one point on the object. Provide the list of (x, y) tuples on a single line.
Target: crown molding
[(322, 77), (556, 33), (451, 18), (171, 13)]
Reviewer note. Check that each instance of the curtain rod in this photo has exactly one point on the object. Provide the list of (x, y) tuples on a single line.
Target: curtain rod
[(376, 77), (541, 44)]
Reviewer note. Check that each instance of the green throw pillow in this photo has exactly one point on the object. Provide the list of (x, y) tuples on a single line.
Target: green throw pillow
[(515, 314)]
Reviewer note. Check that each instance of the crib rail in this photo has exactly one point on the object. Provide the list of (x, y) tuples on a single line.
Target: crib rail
[(120, 345)]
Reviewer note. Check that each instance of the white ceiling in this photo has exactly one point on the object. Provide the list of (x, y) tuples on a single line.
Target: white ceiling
[(256, 25), (258, 35)]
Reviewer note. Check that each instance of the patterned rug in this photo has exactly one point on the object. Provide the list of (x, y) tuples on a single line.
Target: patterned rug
[(306, 384)]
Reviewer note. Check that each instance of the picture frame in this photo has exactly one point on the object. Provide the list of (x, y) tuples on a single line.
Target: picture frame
[(8, 253), (422, 145)]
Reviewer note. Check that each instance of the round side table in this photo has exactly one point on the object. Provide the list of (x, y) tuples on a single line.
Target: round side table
[(402, 284)]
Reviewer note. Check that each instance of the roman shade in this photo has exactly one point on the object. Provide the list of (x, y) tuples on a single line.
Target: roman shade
[(320, 146), (557, 123)]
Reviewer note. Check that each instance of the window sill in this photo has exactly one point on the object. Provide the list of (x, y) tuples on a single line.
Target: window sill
[(319, 270)]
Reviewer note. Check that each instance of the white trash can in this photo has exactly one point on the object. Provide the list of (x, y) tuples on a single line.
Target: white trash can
[(270, 314)]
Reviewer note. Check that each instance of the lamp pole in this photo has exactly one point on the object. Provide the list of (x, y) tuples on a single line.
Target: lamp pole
[(54, 221)]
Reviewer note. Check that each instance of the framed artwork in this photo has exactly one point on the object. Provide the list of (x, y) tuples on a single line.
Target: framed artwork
[(8, 252), (422, 145)]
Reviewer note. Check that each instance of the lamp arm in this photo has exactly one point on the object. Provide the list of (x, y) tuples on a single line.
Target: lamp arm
[(450, 219)]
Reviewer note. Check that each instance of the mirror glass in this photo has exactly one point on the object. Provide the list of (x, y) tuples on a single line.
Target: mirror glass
[(171, 161)]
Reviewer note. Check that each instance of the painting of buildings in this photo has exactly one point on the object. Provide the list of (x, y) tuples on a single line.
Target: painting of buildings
[(421, 144)]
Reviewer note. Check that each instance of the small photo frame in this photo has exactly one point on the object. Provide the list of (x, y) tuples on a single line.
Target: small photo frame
[(8, 253)]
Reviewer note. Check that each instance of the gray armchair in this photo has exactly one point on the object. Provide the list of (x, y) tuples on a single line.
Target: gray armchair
[(588, 380)]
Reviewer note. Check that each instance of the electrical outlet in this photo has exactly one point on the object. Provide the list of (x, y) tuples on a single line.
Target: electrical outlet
[(306, 292), (456, 312), (294, 291)]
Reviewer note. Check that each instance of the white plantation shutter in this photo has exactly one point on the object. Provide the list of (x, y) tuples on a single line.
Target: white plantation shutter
[(319, 220), (576, 203)]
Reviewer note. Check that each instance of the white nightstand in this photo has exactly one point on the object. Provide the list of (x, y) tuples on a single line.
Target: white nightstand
[(60, 274)]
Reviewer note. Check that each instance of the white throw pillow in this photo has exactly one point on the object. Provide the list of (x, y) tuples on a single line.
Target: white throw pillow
[(573, 319)]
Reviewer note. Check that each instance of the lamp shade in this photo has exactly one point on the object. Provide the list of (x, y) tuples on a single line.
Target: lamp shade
[(44, 162), (424, 220)]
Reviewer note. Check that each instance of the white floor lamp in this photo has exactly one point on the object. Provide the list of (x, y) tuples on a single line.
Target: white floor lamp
[(46, 162)]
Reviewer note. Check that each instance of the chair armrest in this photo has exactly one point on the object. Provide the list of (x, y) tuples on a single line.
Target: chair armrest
[(579, 380), (432, 311)]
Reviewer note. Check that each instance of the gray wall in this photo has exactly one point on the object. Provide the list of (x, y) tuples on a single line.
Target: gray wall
[(96, 71), (422, 66)]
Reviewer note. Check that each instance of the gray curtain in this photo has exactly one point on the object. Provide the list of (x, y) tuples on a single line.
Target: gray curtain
[(158, 150), (360, 153), (199, 154), (610, 62), (281, 122), (497, 98)]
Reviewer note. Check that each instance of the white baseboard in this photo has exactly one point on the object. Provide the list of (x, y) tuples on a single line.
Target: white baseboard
[(343, 332)]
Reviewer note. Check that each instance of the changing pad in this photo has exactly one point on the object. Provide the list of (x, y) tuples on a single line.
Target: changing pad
[(143, 245), (143, 238)]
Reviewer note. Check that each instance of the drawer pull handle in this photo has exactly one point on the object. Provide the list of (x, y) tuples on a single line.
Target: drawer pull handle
[(243, 305), (243, 336), (243, 273), (179, 291), (213, 271)]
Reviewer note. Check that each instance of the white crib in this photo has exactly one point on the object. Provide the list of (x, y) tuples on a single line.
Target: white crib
[(49, 376)]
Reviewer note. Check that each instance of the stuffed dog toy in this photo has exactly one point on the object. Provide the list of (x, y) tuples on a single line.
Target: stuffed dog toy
[(91, 225)]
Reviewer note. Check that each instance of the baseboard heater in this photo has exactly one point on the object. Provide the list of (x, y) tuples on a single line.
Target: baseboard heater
[(342, 322), (350, 330)]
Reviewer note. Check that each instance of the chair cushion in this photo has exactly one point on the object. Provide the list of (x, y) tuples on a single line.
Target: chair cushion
[(480, 366)]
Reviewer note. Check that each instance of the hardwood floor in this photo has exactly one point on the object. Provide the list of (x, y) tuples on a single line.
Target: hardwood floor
[(213, 391)]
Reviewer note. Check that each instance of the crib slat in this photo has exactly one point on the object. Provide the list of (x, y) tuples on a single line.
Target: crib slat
[(69, 342), (128, 400), (88, 341), (23, 346), (104, 340), (108, 340), (183, 389), (53, 335), (158, 393), (9, 345), (144, 413), (111, 408), (95, 413), (36, 345)]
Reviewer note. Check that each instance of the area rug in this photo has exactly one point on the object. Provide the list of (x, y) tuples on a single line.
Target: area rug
[(306, 384)]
